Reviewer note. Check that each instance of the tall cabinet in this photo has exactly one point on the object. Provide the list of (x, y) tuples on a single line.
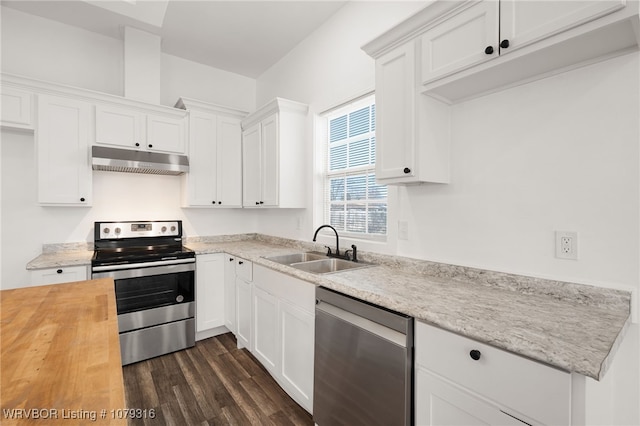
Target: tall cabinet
[(273, 155), (215, 156)]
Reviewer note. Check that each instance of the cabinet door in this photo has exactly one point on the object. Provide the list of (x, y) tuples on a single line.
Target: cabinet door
[(243, 314), (202, 176), (395, 110), (296, 352), (229, 162), (165, 134), (251, 167), (209, 291), (265, 328), (16, 108), (58, 275), (524, 22), (439, 402), (460, 42), (119, 127), (230, 293), (62, 140), (270, 161)]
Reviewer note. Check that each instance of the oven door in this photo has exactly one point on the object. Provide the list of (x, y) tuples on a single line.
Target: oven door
[(153, 295)]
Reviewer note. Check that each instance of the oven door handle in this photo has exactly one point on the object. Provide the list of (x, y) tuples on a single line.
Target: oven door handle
[(121, 267)]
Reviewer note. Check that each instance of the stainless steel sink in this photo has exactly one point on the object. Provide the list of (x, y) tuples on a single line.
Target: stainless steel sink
[(326, 266), (316, 263), (288, 259)]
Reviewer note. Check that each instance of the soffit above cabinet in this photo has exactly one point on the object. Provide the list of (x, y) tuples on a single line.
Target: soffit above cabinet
[(595, 38)]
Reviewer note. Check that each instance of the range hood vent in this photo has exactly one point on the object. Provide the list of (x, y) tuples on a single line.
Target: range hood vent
[(125, 160)]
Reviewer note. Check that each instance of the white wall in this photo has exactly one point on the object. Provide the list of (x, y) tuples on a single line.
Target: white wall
[(557, 154), (51, 51), (325, 70)]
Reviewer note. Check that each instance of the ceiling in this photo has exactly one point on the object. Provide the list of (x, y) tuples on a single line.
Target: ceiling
[(243, 37)]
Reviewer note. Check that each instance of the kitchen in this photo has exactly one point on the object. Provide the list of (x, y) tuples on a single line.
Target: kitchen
[(555, 154)]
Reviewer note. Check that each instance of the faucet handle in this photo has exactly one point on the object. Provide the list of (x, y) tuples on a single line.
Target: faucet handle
[(328, 250)]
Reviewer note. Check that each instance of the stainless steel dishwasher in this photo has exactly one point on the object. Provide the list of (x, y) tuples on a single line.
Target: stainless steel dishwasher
[(363, 371)]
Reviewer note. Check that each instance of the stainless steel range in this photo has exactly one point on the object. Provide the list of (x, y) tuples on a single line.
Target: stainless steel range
[(154, 279)]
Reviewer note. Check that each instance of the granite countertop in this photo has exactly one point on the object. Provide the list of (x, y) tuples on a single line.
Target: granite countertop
[(570, 326)]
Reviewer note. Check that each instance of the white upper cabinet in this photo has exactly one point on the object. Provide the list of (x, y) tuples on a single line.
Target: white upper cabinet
[(274, 160), (124, 127), (407, 151), (215, 156), (62, 147), (467, 39), (17, 108), (470, 48), (524, 22)]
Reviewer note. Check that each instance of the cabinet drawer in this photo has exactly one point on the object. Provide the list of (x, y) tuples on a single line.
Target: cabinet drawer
[(538, 391), (59, 275), (244, 269)]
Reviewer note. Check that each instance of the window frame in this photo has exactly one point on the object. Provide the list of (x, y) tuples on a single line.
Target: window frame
[(359, 170)]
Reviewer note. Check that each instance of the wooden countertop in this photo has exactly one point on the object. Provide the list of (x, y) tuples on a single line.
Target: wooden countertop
[(61, 355)]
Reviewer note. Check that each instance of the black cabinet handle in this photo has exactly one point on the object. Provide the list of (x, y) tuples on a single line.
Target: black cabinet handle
[(219, 202), (504, 43), (213, 202), (407, 170), (82, 199), (240, 262), (150, 146), (137, 144), (261, 202), (59, 271), (257, 203), (475, 354), (231, 259), (488, 50)]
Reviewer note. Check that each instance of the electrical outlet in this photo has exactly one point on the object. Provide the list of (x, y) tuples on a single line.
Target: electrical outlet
[(567, 245)]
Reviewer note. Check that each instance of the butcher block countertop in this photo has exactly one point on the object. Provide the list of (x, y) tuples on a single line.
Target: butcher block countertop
[(61, 355)]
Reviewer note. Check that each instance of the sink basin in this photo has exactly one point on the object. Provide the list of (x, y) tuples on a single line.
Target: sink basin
[(326, 266), (288, 259)]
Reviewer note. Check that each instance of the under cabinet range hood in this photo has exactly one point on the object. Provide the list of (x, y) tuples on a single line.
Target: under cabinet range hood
[(126, 160)]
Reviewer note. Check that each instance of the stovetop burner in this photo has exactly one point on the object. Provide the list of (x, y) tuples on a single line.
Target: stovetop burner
[(138, 242)]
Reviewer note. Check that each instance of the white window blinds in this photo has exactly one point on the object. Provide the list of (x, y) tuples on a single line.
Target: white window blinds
[(354, 202)]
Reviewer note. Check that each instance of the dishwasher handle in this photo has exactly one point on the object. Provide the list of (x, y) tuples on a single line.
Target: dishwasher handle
[(373, 327)]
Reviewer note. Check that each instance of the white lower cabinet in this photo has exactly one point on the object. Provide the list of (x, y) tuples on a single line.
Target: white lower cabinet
[(461, 381), (210, 293), (59, 275), (244, 326), (230, 293), (283, 331), (265, 328)]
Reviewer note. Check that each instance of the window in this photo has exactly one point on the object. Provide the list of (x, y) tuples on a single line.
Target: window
[(354, 203)]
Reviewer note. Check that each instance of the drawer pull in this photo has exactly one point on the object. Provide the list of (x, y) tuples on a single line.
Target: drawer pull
[(475, 354), (59, 271), (240, 262)]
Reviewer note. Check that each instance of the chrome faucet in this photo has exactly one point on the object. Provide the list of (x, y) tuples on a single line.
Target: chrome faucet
[(337, 253)]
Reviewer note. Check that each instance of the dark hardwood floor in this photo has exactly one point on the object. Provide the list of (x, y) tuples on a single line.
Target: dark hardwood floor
[(213, 383)]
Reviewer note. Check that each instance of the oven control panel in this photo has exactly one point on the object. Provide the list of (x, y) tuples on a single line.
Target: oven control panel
[(121, 230)]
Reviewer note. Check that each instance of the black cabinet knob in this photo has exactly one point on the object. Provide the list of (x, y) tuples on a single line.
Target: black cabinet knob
[(150, 146), (231, 259), (488, 50), (240, 262), (504, 43), (407, 170), (219, 202), (59, 271), (475, 354), (261, 202), (213, 202), (257, 203), (137, 144), (82, 199)]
